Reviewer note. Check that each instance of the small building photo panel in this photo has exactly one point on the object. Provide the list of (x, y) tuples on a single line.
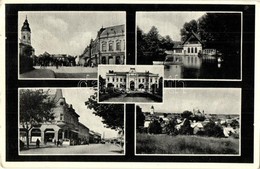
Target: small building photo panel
[(69, 44), (130, 83), (191, 45), (68, 121), (191, 121)]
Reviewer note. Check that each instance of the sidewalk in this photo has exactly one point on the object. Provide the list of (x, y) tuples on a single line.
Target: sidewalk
[(38, 73)]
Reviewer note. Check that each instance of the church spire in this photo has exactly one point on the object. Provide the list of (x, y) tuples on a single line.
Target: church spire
[(58, 95), (26, 26)]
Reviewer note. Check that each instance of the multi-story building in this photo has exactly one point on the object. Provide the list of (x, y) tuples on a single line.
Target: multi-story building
[(133, 80), (65, 125), (107, 48), (83, 133)]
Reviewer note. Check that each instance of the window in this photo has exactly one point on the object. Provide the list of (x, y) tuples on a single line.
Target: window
[(116, 79), (110, 46), (120, 79), (151, 80), (143, 80), (191, 50), (104, 45), (107, 79), (113, 79), (139, 80), (23, 37), (195, 50), (61, 116), (188, 50), (118, 46)]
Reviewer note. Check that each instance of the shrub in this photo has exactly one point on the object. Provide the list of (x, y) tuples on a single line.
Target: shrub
[(155, 127)]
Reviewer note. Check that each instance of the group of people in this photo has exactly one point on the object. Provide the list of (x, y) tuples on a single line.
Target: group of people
[(58, 143)]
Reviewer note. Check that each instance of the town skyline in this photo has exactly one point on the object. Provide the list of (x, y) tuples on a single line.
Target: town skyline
[(211, 101), (71, 30), (167, 23)]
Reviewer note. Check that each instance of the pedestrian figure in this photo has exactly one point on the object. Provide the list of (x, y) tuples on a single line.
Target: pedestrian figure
[(37, 143), (58, 142), (57, 64)]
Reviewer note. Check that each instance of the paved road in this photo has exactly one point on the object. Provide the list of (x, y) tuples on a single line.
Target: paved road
[(78, 149), (73, 72)]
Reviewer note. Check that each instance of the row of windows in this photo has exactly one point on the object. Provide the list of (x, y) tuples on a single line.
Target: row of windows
[(147, 80), (123, 79), (111, 46), (117, 79), (193, 50)]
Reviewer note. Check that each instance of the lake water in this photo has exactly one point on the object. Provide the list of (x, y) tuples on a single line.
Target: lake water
[(202, 69)]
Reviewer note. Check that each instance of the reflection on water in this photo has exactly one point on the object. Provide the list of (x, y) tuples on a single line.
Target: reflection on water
[(194, 67)]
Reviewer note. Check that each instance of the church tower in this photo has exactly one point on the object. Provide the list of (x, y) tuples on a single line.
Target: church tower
[(26, 33)]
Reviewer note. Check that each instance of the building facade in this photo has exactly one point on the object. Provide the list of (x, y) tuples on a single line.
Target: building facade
[(65, 126), (133, 80), (107, 48)]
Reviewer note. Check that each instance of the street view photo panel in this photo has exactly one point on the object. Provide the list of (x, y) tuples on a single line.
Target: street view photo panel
[(69, 44), (68, 121), (191, 45), (191, 121), (130, 83)]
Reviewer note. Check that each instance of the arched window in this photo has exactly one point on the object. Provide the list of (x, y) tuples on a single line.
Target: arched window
[(188, 50), (191, 50), (118, 46), (104, 46), (110, 48), (195, 50)]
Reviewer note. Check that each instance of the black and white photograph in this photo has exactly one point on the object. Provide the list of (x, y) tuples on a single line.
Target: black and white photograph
[(68, 121), (191, 45), (99, 84), (130, 83), (191, 121), (69, 44)]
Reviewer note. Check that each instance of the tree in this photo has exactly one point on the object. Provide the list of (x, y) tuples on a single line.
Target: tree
[(188, 27), (170, 127), (186, 128), (139, 118), (35, 108), (112, 114), (213, 130), (141, 46), (102, 83), (234, 124), (186, 114), (155, 127)]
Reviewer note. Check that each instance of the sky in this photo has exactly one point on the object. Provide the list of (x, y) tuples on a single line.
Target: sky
[(167, 23), (66, 32), (212, 101), (157, 69), (77, 98)]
